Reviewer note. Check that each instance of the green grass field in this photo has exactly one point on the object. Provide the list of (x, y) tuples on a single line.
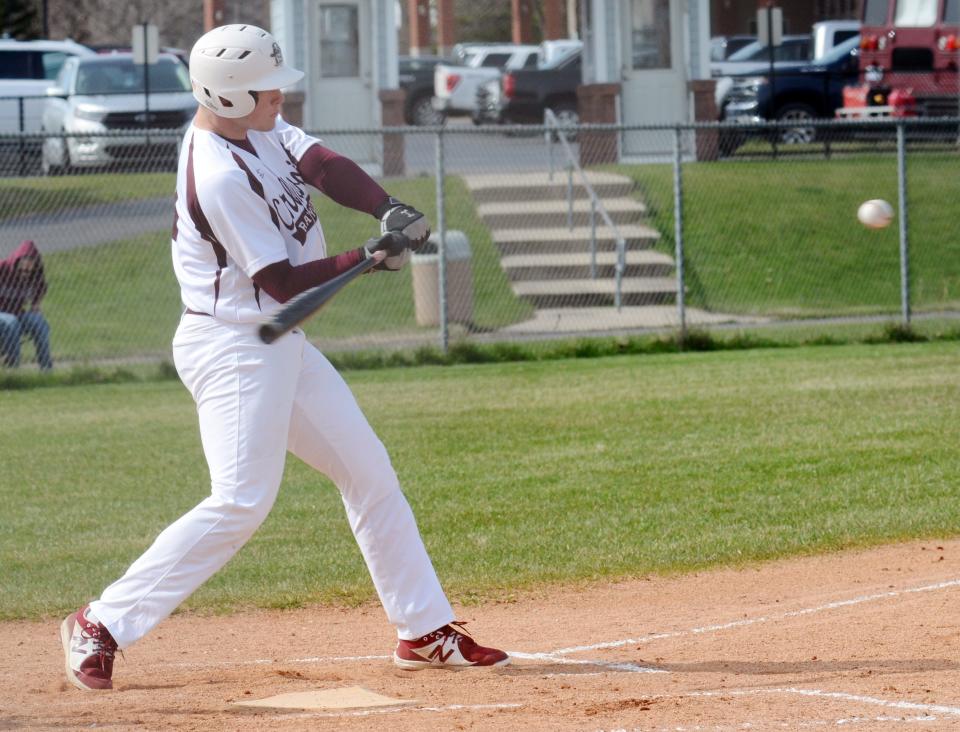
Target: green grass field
[(520, 474), (24, 196), (781, 237)]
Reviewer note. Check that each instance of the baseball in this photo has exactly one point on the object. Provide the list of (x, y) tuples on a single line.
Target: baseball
[(875, 213)]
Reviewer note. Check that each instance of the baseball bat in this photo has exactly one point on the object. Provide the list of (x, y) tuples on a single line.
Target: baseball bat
[(302, 306)]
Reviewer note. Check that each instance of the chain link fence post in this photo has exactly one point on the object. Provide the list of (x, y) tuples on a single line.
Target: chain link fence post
[(904, 235), (442, 245), (678, 227)]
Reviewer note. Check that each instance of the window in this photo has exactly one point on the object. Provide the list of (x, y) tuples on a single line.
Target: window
[(951, 11), (16, 65), (52, 62), (916, 13), (875, 12), (495, 59), (650, 34), (532, 61), (340, 42), (125, 77), (842, 35), (796, 49)]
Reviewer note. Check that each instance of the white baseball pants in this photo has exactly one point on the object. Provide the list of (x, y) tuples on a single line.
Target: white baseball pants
[(255, 402)]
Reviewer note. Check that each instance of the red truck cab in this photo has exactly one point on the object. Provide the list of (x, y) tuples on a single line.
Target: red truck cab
[(909, 60)]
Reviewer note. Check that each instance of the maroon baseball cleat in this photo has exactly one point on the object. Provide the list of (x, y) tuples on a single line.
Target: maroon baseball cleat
[(446, 647), (89, 650)]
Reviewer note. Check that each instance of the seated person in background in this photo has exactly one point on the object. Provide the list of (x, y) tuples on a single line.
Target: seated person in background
[(22, 287)]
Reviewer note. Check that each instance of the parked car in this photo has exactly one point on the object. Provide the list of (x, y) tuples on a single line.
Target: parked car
[(416, 78), (180, 53), (799, 94), (455, 87), (825, 36), (27, 70), (105, 93), (522, 95), (722, 47), (793, 49)]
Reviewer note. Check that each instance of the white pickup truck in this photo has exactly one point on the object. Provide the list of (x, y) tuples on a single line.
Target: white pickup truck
[(455, 87), (27, 70)]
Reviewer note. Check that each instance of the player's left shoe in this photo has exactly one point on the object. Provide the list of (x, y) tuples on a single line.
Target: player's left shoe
[(446, 647), (89, 650)]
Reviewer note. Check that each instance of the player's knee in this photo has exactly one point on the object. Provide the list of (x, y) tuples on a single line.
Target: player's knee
[(371, 480), (244, 517)]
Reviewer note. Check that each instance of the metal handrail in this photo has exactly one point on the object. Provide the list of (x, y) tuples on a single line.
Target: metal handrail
[(596, 205)]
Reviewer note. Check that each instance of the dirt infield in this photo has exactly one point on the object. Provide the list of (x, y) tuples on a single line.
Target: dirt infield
[(866, 639)]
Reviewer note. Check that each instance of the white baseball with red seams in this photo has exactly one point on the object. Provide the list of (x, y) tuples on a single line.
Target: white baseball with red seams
[(875, 213), (257, 401)]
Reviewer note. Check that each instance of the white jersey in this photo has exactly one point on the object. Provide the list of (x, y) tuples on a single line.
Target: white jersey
[(237, 212)]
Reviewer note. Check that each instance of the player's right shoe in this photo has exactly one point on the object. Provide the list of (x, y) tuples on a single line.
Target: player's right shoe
[(89, 650), (446, 647)]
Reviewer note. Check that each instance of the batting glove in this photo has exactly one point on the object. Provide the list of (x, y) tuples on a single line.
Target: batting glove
[(395, 244), (396, 216)]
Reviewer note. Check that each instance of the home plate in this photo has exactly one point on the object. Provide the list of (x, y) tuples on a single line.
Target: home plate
[(351, 697)]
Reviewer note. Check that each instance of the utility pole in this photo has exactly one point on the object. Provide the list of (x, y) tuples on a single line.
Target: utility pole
[(213, 14)]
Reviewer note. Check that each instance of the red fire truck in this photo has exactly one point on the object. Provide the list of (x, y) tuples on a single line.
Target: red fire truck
[(909, 60)]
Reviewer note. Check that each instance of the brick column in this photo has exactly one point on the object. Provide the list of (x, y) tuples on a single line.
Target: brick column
[(391, 102), (213, 14), (554, 22), (597, 105), (446, 27), (418, 12), (522, 25), (705, 110)]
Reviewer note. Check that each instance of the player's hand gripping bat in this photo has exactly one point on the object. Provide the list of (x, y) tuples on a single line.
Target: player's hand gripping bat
[(302, 306)]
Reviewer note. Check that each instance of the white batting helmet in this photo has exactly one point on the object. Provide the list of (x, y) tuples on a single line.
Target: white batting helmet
[(231, 61)]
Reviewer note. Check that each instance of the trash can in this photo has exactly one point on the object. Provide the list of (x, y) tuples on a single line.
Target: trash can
[(425, 265)]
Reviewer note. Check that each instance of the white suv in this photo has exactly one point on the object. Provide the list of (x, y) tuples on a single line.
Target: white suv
[(27, 70), (98, 101)]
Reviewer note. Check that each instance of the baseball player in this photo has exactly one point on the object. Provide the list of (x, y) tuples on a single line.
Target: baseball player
[(245, 239)]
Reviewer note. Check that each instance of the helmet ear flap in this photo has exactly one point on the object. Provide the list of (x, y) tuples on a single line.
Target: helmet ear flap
[(225, 104)]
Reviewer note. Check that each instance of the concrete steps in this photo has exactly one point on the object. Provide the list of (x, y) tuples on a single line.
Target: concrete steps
[(553, 213), (577, 265), (569, 293), (549, 264), (540, 187), (543, 240)]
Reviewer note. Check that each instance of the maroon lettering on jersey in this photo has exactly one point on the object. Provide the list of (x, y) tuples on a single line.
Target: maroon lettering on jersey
[(293, 208)]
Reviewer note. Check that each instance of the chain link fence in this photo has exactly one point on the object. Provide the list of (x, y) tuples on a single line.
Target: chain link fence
[(538, 234)]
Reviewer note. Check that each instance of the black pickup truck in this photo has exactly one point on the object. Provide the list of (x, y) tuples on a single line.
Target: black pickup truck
[(521, 96), (797, 94), (416, 78)]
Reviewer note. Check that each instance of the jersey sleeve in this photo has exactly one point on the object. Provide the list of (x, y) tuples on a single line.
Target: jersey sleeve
[(293, 138), (242, 222)]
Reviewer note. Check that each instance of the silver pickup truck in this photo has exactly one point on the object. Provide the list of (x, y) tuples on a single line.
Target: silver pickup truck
[(455, 87)]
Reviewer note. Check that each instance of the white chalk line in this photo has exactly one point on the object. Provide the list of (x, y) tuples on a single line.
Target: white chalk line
[(926, 712), (757, 621), (840, 695), (556, 657), (806, 724)]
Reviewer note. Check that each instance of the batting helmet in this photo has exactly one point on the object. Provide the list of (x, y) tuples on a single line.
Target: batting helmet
[(231, 61)]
